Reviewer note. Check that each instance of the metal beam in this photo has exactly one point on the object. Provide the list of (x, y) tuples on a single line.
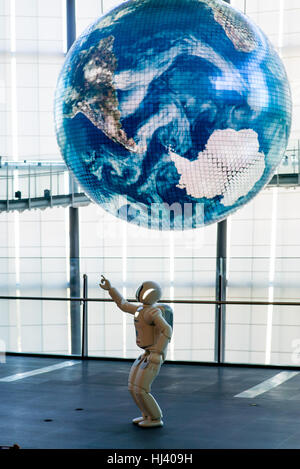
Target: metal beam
[(64, 200)]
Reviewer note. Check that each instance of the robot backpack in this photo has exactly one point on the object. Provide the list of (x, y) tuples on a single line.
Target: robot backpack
[(167, 313)]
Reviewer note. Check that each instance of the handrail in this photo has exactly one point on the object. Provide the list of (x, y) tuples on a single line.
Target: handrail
[(133, 300)]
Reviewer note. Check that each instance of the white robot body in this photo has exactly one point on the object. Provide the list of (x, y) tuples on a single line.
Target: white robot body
[(145, 332), (153, 333)]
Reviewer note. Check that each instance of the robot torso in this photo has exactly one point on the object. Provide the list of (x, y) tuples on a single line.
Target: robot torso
[(146, 332)]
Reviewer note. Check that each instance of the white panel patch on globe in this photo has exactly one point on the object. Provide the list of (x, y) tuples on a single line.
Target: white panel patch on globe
[(229, 165)]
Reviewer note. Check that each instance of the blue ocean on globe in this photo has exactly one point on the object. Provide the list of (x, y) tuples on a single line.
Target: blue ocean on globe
[(172, 114)]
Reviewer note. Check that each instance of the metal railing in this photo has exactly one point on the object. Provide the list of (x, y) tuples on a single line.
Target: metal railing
[(41, 184), (84, 300), (30, 185)]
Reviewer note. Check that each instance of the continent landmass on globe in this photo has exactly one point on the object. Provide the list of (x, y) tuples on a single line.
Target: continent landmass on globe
[(95, 96), (237, 31), (233, 156)]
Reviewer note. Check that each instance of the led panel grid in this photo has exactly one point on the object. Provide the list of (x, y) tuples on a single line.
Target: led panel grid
[(173, 113)]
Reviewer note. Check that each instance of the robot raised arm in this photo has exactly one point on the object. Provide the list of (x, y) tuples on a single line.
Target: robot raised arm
[(124, 305)]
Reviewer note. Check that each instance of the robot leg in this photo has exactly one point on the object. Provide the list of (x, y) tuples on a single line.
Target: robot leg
[(145, 376), (131, 387)]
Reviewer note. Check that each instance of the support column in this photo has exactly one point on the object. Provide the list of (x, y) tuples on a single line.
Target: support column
[(220, 314), (71, 23), (221, 280), (74, 222)]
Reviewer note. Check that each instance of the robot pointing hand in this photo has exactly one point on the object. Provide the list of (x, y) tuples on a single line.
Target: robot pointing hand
[(153, 323)]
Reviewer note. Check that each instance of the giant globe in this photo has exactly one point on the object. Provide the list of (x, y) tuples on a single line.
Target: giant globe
[(172, 114)]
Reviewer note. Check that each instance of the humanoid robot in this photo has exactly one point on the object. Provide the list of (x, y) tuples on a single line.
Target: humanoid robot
[(153, 324)]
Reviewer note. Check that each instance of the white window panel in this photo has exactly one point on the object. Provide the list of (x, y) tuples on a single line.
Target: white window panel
[(292, 66), (26, 28), (50, 46), (4, 316), (268, 5), (25, 46), (27, 99), (4, 28), (48, 74), (30, 269), (5, 70), (286, 205), (52, 8), (57, 315), (241, 232), (88, 8), (260, 233), (30, 236), (114, 338), (31, 338), (5, 123), (53, 234), (239, 4), (291, 4), (4, 44), (27, 75), (288, 230), (245, 213), (4, 7), (292, 20), (50, 28), (110, 4), (291, 40), (269, 22), (46, 123), (53, 265), (295, 87), (53, 251), (3, 239), (31, 312), (28, 146), (46, 98), (246, 337), (82, 24), (283, 336), (54, 284), (203, 335), (262, 206), (252, 5), (30, 252), (49, 149), (27, 7), (55, 337), (296, 121), (28, 123), (53, 215)]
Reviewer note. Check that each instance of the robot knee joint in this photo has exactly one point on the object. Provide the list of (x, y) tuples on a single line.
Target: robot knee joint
[(140, 391)]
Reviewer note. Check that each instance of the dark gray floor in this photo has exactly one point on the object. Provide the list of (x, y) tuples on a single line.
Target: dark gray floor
[(200, 410)]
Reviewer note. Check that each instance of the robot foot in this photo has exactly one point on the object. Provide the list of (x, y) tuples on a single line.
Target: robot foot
[(148, 423), (137, 420)]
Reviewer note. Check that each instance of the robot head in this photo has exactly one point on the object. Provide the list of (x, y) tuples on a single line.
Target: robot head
[(148, 293)]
